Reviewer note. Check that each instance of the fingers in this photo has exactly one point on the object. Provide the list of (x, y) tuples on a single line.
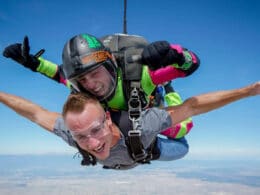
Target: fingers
[(257, 86), (254, 89), (155, 53), (6, 53), (12, 51), (162, 47), (25, 47), (39, 53)]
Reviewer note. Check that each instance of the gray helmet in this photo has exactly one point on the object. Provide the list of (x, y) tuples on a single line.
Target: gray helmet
[(84, 53)]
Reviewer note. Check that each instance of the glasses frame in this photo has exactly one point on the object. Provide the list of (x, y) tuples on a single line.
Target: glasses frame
[(96, 132)]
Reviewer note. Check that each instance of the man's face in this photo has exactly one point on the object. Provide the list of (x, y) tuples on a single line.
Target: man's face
[(98, 82), (91, 129)]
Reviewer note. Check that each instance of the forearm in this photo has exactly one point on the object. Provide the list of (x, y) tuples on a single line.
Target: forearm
[(187, 66), (165, 74), (30, 110), (162, 54), (207, 102), (52, 71)]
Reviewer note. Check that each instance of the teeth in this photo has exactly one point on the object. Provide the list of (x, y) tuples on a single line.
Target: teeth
[(98, 89), (99, 149)]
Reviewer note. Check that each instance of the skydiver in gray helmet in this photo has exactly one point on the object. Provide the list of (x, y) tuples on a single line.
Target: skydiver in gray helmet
[(89, 66)]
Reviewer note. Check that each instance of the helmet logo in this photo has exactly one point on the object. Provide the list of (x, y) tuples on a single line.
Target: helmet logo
[(92, 41), (96, 57)]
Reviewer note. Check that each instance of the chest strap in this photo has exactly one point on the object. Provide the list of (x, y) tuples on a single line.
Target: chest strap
[(137, 151)]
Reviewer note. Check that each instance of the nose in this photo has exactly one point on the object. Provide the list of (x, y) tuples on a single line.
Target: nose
[(87, 82), (92, 143), (90, 84)]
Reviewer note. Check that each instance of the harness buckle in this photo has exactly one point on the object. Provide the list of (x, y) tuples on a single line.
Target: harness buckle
[(134, 104), (134, 133)]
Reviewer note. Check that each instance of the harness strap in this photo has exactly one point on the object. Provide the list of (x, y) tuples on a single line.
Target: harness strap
[(124, 47), (138, 153), (133, 142), (88, 159)]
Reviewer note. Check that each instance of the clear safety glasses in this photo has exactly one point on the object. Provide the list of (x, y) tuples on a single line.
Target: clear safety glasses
[(95, 130)]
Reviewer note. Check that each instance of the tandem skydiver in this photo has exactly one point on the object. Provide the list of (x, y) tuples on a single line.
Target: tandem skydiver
[(92, 130), (101, 68)]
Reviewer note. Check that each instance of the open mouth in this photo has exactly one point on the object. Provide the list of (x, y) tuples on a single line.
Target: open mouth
[(100, 149), (98, 91)]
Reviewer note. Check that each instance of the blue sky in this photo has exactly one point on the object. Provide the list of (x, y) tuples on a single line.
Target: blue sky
[(225, 34)]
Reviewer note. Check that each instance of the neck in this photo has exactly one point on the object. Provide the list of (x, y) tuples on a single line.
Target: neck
[(116, 134)]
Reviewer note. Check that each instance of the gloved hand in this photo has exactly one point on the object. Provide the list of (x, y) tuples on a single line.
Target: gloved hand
[(159, 54), (21, 54)]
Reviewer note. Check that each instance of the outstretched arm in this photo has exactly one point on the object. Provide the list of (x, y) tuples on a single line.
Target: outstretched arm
[(20, 52), (29, 110), (206, 102)]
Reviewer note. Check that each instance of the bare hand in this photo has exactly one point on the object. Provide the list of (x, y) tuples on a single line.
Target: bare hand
[(255, 88)]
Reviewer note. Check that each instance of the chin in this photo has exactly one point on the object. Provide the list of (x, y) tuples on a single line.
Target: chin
[(102, 94), (99, 95), (102, 157)]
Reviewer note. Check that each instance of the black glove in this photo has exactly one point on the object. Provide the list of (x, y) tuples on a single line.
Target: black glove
[(21, 54), (159, 54)]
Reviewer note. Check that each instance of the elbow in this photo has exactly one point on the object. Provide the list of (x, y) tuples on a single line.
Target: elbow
[(191, 106), (36, 118), (44, 119)]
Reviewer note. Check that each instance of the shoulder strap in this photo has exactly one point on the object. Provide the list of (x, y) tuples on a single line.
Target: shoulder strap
[(121, 119), (124, 47), (133, 139)]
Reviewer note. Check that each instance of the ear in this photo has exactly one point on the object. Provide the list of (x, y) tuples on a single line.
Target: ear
[(108, 118)]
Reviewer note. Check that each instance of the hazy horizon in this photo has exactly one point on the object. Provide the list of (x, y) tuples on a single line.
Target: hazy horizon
[(57, 174)]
